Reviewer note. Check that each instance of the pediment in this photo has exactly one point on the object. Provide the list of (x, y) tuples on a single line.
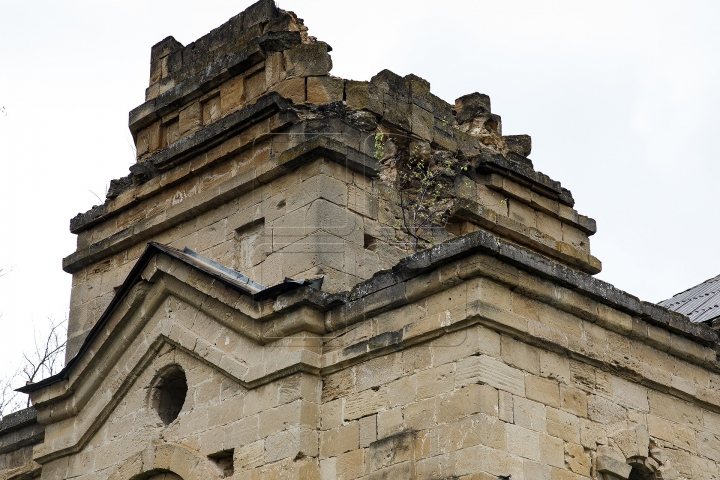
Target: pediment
[(171, 307)]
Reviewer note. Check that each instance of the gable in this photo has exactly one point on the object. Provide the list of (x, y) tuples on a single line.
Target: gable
[(175, 308)]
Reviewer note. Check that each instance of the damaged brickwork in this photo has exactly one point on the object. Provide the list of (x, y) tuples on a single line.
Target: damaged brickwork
[(491, 352)]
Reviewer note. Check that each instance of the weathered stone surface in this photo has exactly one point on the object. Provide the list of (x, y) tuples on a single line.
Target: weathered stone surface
[(491, 354)]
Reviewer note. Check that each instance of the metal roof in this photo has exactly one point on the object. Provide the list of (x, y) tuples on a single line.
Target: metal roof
[(215, 270), (700, 303)]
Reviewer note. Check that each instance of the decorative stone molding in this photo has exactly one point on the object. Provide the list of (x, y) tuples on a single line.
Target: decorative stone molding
[(632, 456), (167, 457)]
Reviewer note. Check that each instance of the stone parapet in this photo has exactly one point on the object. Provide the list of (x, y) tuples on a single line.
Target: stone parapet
[(19, 433)]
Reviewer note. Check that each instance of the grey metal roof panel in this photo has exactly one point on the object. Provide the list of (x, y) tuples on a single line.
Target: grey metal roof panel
[(217, 271), (700, 303)]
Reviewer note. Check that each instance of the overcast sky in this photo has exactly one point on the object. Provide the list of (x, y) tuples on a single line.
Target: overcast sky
[(621, 99)]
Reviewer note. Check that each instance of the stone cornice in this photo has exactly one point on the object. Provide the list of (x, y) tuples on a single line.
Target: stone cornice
[(314, 147)]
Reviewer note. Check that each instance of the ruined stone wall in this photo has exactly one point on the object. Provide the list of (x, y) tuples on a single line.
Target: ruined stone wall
[(247, 144), (475, 359), (543, 383), (495, 353)]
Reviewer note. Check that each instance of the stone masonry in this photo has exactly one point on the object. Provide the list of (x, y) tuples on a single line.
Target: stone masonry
[(491, 353)]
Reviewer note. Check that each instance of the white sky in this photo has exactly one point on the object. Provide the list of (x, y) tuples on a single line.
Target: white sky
[(620, 97)]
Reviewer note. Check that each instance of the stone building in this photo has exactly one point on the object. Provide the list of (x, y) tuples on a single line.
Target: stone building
[(244, 304)]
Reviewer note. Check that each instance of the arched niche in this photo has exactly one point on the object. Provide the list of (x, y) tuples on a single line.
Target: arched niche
[(632, 456), (168, 461), (166, 476)]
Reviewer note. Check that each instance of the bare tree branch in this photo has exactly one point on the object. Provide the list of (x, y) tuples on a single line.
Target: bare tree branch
[(9, 401), (45, 360)]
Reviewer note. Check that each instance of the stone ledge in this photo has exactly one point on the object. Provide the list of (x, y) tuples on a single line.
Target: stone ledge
[(383, 292), (192, 88), (585, 224), (316, 147), (194, 144), (532, 237), (17, 420), (523, 174)]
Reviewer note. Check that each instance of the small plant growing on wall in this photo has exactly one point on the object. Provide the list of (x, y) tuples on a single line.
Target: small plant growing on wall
[(422, 179)]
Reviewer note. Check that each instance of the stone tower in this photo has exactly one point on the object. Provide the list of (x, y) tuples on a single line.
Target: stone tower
[(249, 303)]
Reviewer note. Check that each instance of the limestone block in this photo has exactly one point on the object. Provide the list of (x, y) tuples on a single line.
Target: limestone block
[(465, 343), (390, 422), (291, 443), (592, 434), (363, 96), (630, 394), (541, 390), (478, 429), (574, 237), (520, 212), (577, 460), (416, 358), (340, 440), (573, 400), (292, 88), (211, 110), (505, 406), (523, 442), (241, 432), (563, 425), (520, 355), (674, 409), (467, 401), (328, 468), (536, 471), (319, 215), (560, 320), (549, 225), (310, 59), (482, 459), (439, 466), (684, 437), (609, 461), (274, 68), (421, 122), (326, 89), (232, 95), (605, 411), (392, 450), (582, 375), (142, 144), (367, 402), (420, 415), (708, 445), (350, 465), (297, 413), (554, 367), (320, 186), (254, 86), (490, 292), (332, 414), (249, 456), (155, 140), (399, 470), (378, 371), (402, 391), (489, 370), (368, 430), (552, 451), (362, 202), (530, 414), (435, 381)]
